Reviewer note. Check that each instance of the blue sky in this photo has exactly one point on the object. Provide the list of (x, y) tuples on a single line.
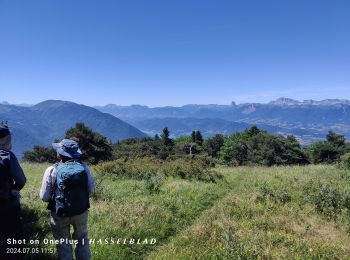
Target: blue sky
[(173, 52)]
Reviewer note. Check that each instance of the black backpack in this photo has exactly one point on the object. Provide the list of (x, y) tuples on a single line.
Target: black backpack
[(5, 177)]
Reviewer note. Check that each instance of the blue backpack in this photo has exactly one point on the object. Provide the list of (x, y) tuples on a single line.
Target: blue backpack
[(71, 193)]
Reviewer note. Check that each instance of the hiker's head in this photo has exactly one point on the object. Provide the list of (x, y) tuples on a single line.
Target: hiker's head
[(5, 138), (62, 158), (67, 148)]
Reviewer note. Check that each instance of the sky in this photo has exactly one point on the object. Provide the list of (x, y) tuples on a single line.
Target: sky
[(159, 53)]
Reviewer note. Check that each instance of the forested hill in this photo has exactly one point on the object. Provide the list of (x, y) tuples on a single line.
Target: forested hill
[(42, 123)]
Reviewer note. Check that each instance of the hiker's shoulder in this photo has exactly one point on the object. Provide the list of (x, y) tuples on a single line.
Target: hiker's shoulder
[(84, 164), (51, 169)]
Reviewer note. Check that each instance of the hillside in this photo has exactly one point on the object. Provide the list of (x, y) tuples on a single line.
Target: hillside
[(308, 120), (251, 213), (212, 126), (42, 123)]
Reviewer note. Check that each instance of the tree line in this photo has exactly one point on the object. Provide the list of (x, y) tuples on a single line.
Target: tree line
[(253, 146)]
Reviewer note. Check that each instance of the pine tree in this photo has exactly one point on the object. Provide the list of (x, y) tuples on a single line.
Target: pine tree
[(193, 136), (198, 138)]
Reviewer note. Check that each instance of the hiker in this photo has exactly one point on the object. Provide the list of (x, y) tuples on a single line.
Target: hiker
[(66, 186), (12, 180)]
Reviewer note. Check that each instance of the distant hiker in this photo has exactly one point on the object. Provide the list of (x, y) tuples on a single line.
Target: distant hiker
[(12, 180), (66, 186)]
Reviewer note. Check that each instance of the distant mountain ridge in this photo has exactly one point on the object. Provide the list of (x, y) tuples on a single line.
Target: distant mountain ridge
[(326, 102), (42, 123), (309, 120)]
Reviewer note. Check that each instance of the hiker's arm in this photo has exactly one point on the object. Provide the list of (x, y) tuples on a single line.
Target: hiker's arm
[(46, 186), (91, 181), (17, 173)]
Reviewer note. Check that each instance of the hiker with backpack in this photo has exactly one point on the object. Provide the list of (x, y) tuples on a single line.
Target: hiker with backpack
[(66, 186), (12, 180)]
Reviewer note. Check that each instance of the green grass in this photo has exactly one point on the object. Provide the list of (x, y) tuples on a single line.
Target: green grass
[(251, 213)]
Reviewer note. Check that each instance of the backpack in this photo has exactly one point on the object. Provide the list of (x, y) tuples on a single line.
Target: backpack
[(71, 193), (5, 177)]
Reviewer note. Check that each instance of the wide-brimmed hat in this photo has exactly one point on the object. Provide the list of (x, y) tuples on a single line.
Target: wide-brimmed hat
[(68, 148)]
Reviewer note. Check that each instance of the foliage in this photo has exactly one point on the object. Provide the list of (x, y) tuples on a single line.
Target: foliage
[(276, 194), (153, 181), (258, 147), (40, 154), (205, 220), (344, 161), (95, 147), (142, 168), (323, 152), (165, 136), (197, 137), (137, 147), (328, 151), (336, 140), (328, 201), (213, 145)]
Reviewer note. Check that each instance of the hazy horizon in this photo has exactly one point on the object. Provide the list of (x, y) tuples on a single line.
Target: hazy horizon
[(136, 104)]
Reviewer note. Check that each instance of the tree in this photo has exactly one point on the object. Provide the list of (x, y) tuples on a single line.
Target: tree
[(193, 136), (168, 144), (258, 147), (214, 144), (235, 151), (335, 139), (165, 137), (40, 154), (95, 147), (323, 152), (330, 150), (252, 131), (198, 138)]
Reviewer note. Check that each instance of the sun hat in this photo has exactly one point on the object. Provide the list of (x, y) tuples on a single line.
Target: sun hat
[(68, 148)]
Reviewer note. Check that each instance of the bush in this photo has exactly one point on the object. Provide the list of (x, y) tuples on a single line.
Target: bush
[(258, 147), (40, 154), (154, 182), (273, 193), (329, 201), (142, 168), (344, 161)]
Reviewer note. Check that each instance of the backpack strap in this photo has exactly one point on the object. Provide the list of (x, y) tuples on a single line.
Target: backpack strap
[(5, 177), (52, 184), (51, 204)]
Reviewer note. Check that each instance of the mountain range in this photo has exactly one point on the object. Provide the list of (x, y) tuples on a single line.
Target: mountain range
[(41, 124), (308, 120)]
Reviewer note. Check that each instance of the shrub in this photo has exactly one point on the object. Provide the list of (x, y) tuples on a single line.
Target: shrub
[(344, 161), (258, 147), (154, 182), (40, 154), (142, 168), (329, 201), (275, 194)]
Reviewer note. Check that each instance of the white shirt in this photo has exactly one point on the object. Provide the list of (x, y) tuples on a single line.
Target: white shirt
[(50, 178)]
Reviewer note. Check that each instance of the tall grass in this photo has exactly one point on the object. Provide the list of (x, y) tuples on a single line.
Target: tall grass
[(248, 213)]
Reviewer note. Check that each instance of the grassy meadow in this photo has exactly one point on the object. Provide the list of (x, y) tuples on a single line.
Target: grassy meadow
[(299, 212)]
